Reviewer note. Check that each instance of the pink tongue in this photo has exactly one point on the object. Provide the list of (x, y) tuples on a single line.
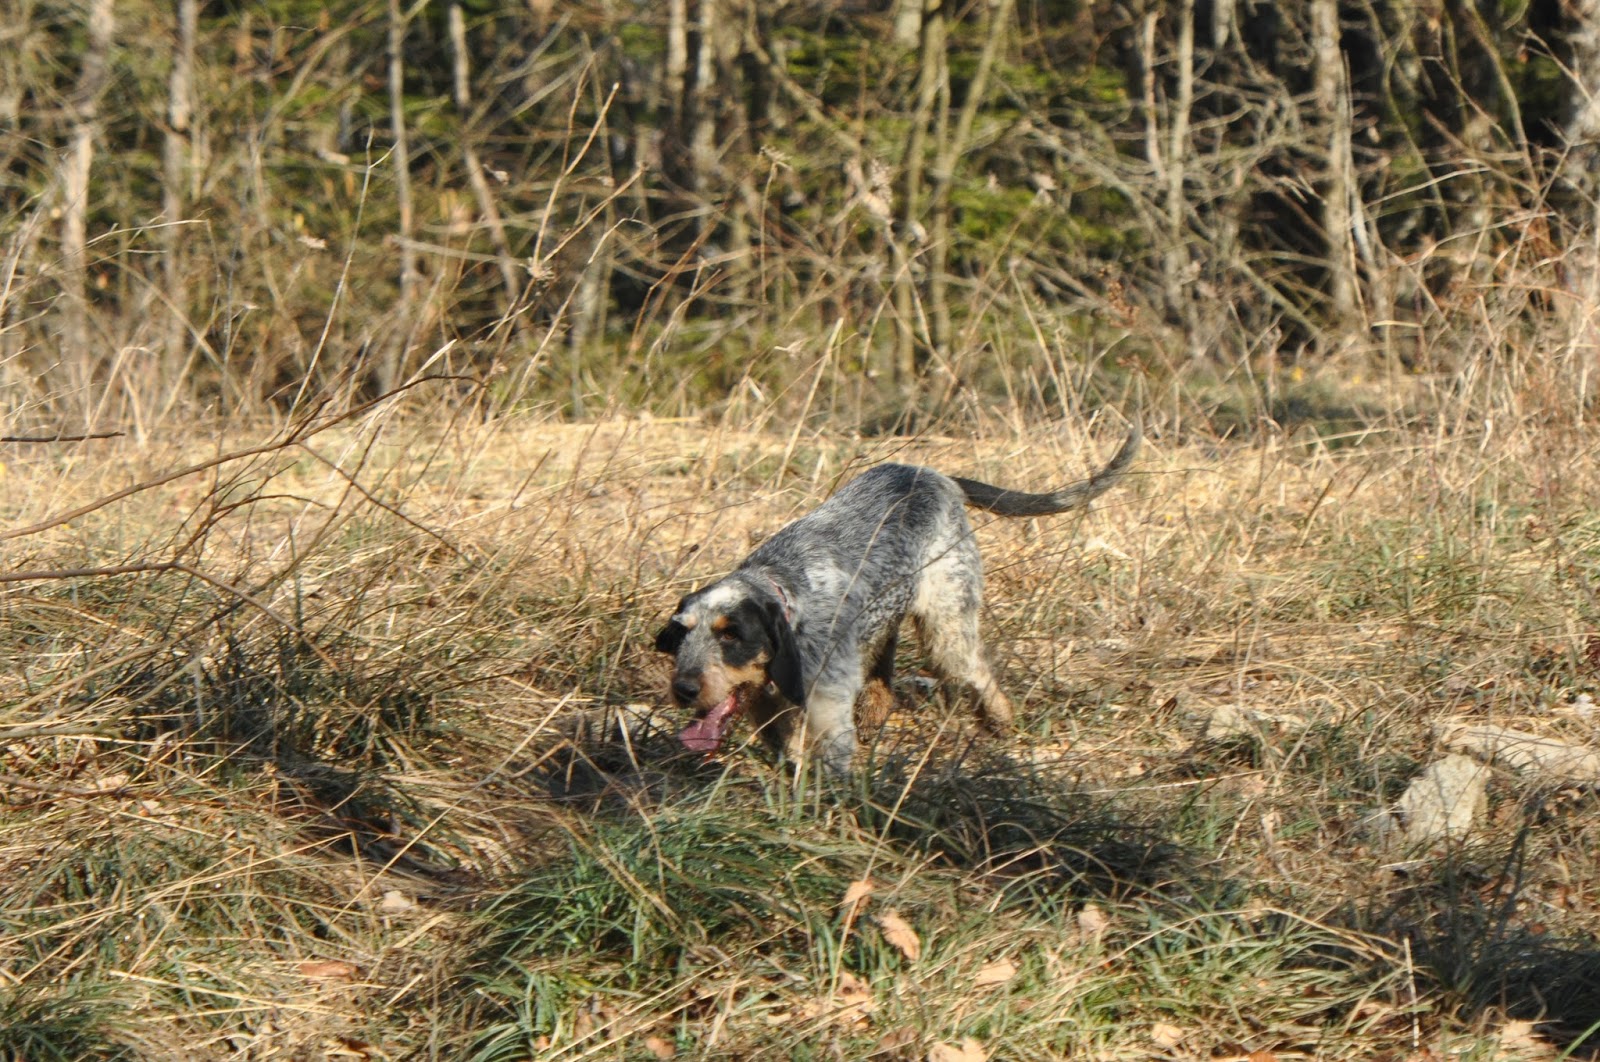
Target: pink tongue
[(705, 733)]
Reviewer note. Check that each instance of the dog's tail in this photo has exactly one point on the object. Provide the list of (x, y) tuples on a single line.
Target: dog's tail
[(1004, 502)]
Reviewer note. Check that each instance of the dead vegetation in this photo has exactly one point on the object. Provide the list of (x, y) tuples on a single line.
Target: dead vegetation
[(358, 439), (348, 742)]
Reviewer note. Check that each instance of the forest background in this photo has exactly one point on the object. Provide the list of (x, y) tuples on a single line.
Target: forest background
[(377, 374), (609, 206)]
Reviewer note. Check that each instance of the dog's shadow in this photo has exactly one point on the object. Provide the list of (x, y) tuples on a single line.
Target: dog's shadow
[(617, 760), (943, 792), (979, 804), (1462, 918), (1021, 820)]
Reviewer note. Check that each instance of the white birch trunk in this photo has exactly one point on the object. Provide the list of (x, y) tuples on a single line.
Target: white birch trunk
[(75, 177), (176, 167), (393, 367), (1333, 102)]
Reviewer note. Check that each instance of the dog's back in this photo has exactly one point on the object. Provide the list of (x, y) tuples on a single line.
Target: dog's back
[(862, 549), (876, 517)]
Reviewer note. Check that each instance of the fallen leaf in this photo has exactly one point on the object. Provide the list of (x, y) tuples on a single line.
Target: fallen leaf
[(1253, 786), (329, 971), (855, 898), (968, 1050), (858, 891), (852, 989), (1093, 921), (898, 932), (854, 999), (995, 973), (1164, 1035), (592, 1016), (1521, 1039), (851, 1003), (662, 1049), (895, 1040), (395, 902), (1271, 820)]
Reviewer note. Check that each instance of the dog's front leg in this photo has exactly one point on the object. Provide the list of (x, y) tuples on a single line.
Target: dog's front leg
[(778, 723), (830, 725)]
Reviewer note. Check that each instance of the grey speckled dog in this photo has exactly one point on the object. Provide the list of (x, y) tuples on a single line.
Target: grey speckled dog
[(801, 637)]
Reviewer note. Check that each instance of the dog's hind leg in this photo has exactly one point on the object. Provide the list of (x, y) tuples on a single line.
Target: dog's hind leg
[(945, 611), (956, 653)]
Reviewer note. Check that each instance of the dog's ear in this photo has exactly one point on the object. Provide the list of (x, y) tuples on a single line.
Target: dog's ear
[(784, 667), (670, 637)]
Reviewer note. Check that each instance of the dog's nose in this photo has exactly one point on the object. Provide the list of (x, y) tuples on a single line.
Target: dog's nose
[(685, 689)]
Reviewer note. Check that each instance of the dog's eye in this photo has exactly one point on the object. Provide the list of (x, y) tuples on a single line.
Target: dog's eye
[(727, 634)]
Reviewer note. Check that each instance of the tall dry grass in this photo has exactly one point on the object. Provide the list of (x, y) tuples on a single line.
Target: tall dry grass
[(331, 726), (343, 734)]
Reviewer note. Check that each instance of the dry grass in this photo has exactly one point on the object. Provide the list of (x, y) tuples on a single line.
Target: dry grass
[(338, 773)]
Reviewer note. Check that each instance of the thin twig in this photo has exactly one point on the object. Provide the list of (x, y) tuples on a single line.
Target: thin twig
[(72, 729), (60, 790), (296, 434), (61, 438), (171, 566), (392, 510)]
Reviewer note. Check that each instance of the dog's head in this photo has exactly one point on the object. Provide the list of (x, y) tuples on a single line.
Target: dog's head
[(728, 641)]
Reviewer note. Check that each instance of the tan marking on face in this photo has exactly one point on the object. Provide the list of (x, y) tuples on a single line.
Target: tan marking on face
[(719, 680)]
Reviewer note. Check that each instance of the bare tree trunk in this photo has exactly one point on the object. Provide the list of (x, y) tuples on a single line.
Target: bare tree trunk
[(677, 63), (392, 368), (701, 96), (586, 309), (1582, 127), (1176, 259), (907, 22), (1580, 172), (903, 360), (92, 77), (952, 146), (487, 209), (1223, 18), (1333, 102), (585, 316), (1148, 107), (932, 74), (728, 135), (174, 191), (936, 303), (686, 132)]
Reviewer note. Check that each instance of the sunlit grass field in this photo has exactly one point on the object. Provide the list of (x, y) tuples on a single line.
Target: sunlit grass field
[(350, 742)]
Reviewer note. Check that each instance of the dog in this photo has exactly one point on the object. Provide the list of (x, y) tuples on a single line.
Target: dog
[(800, 638)]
